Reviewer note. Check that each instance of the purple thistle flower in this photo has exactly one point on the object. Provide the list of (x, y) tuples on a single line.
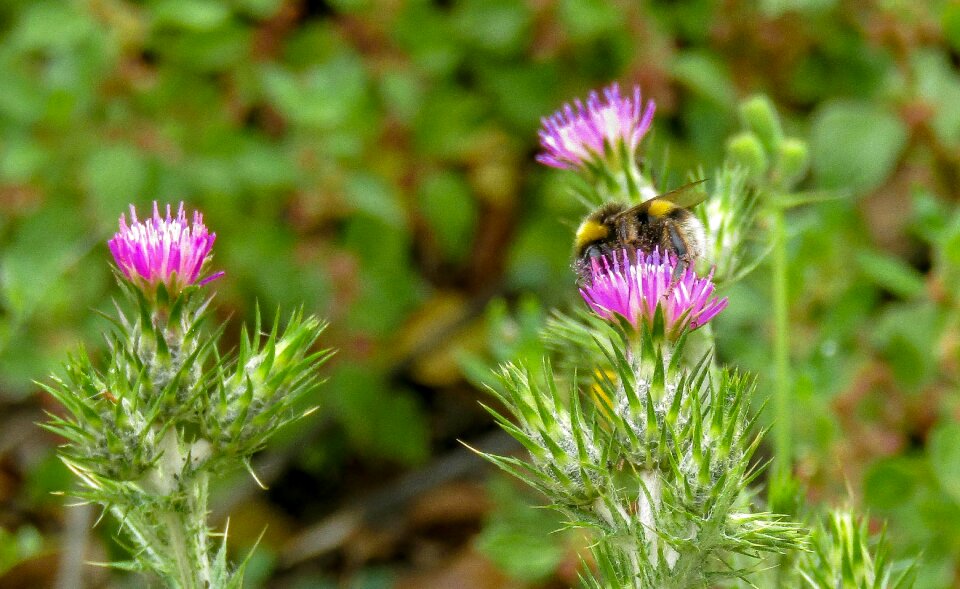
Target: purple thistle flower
[(631, 284), (572, 137), (168, 250)]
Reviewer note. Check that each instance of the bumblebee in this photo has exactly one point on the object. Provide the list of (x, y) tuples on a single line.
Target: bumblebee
[(664, 221)]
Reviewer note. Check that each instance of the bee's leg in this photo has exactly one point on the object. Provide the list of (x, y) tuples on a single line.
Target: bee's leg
[(584, 264), (680, 248)]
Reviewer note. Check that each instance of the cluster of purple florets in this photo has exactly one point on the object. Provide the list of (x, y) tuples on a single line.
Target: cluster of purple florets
[(168, 250)]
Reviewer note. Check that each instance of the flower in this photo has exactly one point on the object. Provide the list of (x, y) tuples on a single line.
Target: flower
[(632, 284), (163, 250), (571, 138)]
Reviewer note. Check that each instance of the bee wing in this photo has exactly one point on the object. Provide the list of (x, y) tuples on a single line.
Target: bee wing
[(685, 197)]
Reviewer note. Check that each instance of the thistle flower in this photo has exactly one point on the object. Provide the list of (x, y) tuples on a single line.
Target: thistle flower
[(573, 137), (163, 250), (632, 284)]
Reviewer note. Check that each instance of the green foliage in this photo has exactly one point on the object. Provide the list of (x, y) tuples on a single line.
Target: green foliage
[(844, 556), (855, 145), (523, 542), (357, 157)]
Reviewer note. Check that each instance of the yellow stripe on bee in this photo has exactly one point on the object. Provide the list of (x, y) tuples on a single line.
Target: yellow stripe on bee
[(659, 208), (590, 231)]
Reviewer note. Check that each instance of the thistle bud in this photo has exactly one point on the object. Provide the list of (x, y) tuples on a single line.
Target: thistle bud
[(793, 156), (759, 116), (746, 150)]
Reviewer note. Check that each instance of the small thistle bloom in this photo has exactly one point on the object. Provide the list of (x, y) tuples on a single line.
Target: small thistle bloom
[(163, 250), (578, 134), (631, 284)]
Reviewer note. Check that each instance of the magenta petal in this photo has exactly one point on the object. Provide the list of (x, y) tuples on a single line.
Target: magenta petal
[(632, 284), (163, 248), (579, 133)]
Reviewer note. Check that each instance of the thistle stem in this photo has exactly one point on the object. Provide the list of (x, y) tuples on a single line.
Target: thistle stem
[(782, 426), (178, 547), (186, 520)]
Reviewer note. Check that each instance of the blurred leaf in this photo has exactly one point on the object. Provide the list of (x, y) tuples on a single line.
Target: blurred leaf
[(423, 31), (18, 545), (950, 21), (207, 50), (374, 197), (774, 8), (589, 19), (402, 93), (21, 158), (382, 423), (494, 25), (259, 8), (904, 333), (114, 176), (22, 99), (51, 25), (35, 258), (944, 455), (389, 287), (524, 93), (447, 123), (938, 84), (705, 75), (892, 483), (195, 15), (855, 145), (48, 476), (447, 204), (329, 94), (521, 540), (930, 216), (891, 274), (534, 258)]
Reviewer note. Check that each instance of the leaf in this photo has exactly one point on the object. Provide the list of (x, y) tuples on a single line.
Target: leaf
[(380, 421), (706, 75), (330, 94), (892, 483), (950, 21), (518, 538), (113, 177), (447, 204), (855, 145), (586, 20), (943, 451), (892, 274), (192, 15), (499, 26), (938, 85), (375, 197)]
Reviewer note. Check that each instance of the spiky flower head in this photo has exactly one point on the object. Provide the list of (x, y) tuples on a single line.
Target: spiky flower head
[(167, 250), (631, 284), (591, 133)]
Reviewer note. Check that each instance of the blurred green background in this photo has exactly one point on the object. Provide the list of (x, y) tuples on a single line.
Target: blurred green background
[(373, 161)]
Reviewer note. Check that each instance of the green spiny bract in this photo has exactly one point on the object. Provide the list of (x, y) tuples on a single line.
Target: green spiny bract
[(257, 392), (846, 555), (145, 433), (653, 455), (729, 216)]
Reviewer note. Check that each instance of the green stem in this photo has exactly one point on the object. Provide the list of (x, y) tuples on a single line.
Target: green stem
[(783, 413), (186, 524), (180, 551)]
